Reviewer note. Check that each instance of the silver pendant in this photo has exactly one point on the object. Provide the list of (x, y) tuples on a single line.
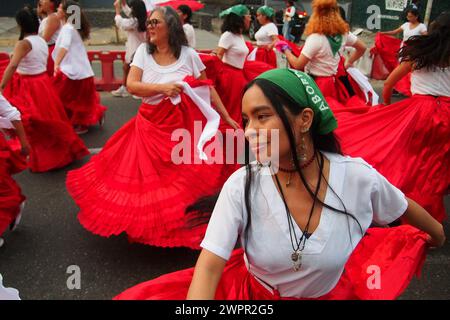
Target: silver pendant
[(296, 261)]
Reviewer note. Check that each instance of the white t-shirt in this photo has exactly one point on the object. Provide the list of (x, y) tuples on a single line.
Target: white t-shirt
[(7, 111), (35, 62), (75, 65), (190, 34), (417, 31), (42, 28), (134, 37), (435, 83), (265, 34), (236, 49), (322, 62), (366, 194), (189, 64)]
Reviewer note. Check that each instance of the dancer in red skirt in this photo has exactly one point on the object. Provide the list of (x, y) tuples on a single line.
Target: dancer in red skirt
[(302, 213), (327, 34), (49, 29), (27, 86), (137, 184), (266, 36), (409, 140), (11, 198), (74, 77)]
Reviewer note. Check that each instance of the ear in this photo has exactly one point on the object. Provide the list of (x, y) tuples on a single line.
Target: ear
[(304, 120)]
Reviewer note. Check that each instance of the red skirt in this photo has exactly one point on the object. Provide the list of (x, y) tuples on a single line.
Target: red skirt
[(50, 62), (80, 99), (407, 142), (267, 56), (54, 143), (10, 194), (133, 185), (398, 252)]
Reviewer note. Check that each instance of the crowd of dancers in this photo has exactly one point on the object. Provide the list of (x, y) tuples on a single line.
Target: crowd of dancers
[(351, 183)]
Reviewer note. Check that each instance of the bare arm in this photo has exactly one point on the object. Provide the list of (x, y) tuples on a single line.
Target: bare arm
[(22, 48), (393, 32), (219, 105), (299, 62), (219, 52), (138, 88), (207, 274), (53, 24), (395, 76), (20, 131), (418, 217), (59, 58), (361, 48)]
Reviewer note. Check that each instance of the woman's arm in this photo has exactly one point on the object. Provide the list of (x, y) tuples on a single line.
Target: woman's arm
[(395, 76), (53, 24), (361, 48), (62, 52), (418, 217), (20, 131), (299, 62), (21, 49), (219, 105), (207, 274), (393, 32), (219, 52), (136, 87)]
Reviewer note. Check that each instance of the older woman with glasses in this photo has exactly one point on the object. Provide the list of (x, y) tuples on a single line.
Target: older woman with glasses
[(144, 178)]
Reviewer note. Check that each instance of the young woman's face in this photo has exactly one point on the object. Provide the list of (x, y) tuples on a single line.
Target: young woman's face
[(157, 28), (47, 6), (61, 14), (411, 17), (182, 16), (262, 125), (262, 19), (247, 21)]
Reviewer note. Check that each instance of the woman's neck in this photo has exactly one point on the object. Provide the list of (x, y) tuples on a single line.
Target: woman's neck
[(163, 49)]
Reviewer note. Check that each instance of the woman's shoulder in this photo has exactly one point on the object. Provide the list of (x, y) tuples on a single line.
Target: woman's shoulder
[(354, 166)]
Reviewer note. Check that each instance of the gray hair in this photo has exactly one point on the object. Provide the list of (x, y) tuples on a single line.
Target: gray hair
[(177, 37)]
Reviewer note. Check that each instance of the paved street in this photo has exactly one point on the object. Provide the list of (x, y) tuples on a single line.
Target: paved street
[(49, 239)]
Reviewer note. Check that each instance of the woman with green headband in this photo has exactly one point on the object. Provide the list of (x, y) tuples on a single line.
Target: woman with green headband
[(299, 212), (267, 36)]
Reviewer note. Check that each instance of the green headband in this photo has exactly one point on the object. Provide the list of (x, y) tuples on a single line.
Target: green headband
[(303, 90), (238, 9), (266, 10)]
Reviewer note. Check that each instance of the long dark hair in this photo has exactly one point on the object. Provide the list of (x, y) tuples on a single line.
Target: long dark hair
[(199, 213), (56, 4), (430, 51), (28, 21), (187, 11), (177, 37), (139, 11), (233, 23), (85, 26)]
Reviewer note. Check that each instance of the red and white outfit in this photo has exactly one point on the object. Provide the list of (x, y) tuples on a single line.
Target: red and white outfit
[(328, 70), (408, 141), (264, 38), (134, 184), (51, 45), (264, 269), (134, 37), (10, 194), (75, 81), (53, 141)]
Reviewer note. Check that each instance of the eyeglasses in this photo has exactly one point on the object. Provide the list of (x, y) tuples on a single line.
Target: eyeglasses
[(152, 23)]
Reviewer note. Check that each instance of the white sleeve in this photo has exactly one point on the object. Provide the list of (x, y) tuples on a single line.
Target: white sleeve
[(312, 46), (350, 39), (272, 30), (66, 37), (126, 24), (227, 220), (127, 10), (7, 110), (195, 61), (404, 26), (423, 28), (139, 57), (226, 40), (388, 202)]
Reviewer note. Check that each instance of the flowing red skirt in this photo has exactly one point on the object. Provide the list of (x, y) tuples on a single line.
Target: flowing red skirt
[(267, 56), (407, 142), (80, 99), (398, 252), (10, 194), (134, 186), (54, 143), (50, 62)]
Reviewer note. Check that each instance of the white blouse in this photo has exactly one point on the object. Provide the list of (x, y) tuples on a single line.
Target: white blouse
[(435, 83), (366, 194), (134, 37), (265, 34), (322, 62), (188, 64), (417, 31), (190, 34), (42, 28), (75, 65), (35, 62), (8, 113), (236, 49)]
